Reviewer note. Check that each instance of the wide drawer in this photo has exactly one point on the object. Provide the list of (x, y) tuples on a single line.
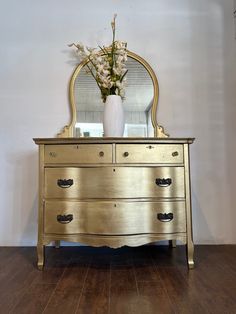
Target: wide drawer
[(81, 153), (114, 218), (149, 153), (114, 182)]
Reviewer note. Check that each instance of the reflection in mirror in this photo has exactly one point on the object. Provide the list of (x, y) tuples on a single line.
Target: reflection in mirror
[(137, 104)]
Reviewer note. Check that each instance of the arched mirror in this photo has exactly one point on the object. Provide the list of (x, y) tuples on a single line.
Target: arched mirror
[(140, 103)]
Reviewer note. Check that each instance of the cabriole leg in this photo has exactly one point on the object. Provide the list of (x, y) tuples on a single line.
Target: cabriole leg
[(190, 252), (41, 253)]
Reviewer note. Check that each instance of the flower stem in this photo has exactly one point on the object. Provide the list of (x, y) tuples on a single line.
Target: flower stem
[(113, 44), (91, 71)]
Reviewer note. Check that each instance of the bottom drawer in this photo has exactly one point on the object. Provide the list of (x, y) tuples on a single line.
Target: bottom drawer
[(114, 218)]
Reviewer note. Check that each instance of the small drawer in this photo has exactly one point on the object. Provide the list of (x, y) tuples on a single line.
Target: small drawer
[(114, 182), (81, 153), (149, 153), (114, 218)]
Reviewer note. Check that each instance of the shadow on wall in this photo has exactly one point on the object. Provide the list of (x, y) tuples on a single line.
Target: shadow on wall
[(229, 80), (25, 198), (201, 229)]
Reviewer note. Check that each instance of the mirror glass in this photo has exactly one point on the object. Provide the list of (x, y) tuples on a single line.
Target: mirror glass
[(139, 95)]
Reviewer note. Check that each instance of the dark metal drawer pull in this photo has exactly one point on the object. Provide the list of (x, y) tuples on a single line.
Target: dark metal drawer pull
[(163, 182), (165, 217), (126, 154), (174, 154), (101, 154), (64, 219), (65, 183)]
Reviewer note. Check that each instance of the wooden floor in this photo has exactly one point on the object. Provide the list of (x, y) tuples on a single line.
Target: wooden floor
[(143, 280)]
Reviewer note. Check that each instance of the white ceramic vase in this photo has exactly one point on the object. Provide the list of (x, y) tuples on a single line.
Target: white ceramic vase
[(113, 117)]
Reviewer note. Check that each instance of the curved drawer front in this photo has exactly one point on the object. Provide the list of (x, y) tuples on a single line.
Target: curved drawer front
[(81, 153), (114, 218), (149, 153), (114, 182)]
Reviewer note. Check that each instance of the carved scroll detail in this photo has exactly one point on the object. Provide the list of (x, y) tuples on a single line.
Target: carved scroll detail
[(160, 132), (66, 132)]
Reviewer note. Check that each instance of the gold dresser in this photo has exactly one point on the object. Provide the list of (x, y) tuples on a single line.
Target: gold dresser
[(114, 191)]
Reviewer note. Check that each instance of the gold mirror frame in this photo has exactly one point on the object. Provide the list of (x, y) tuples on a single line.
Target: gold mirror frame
[(68, 130)]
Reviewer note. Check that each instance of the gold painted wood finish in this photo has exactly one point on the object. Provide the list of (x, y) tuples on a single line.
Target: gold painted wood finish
[(40, 244), (80, 153), (98, 187), (116, 241), (115, 182), (69, 130), (114, 218), (190, 244), (113, 140), (152, 153)]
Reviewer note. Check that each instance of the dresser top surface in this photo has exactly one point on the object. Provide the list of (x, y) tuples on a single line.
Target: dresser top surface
[(109, 140)]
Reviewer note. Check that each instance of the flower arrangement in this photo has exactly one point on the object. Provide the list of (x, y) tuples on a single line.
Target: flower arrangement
[(106, 64)]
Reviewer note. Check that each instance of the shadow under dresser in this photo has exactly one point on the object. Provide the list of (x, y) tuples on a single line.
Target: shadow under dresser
[(114, 192)]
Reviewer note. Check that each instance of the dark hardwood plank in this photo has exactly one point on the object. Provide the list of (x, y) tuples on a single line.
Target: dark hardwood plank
[(148, 279), (34, 300), (123, 291), (153, 298), (213, 280), (182, 296), (66, 296), (6, 253), (223, 256), (21, 272), (145, 270), (51, 273), (122, 258), (125, 302), (96, 291), (11, 259), (55, 264)]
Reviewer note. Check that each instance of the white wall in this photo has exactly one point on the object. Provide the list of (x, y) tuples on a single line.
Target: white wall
[(190, 45)]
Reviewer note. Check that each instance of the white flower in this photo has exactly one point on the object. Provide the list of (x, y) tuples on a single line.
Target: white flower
[(106, 72), (125, 58), (118, 83), (99, 59), (120, 44), (94, 53), (121, 59), (113, 23), (100, 67), (90, 49), (106, 65), (107, 83), (117, 71), (124, 82), (122, 92)]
